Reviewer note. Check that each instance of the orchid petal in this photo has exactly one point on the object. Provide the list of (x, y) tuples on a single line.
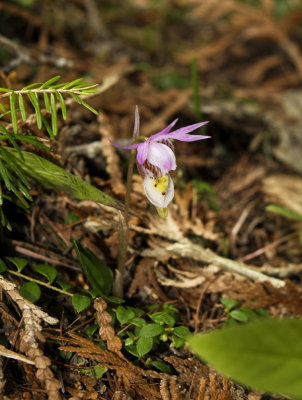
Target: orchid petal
[(161, 156), (159, 192), (142, 152), (131, 146), (162, 134), (182, 133)]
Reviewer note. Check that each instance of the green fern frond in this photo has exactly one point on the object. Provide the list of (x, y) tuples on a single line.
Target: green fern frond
[(45, 99)]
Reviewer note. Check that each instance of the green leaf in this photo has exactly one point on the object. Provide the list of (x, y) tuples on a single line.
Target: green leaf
[(92, 329), (46, 270), (124, 315), (129, 341), (80, 302), (239, 315), (3, 266), (138, 322), (161, 366), (163, 318), (229, 304), (89, 107), (33, 97), (32, 86), (46, 102), (19, 263), (265, 354), (181, 331), (284, 212), (64, 285), (50, 82), (12, 103), (52, 176), (144, 345), (96, 271), (22, 107), (72, 83), (95, 372), (177, 342), (114, 299), (132, 350), (30, 291), (62, 104), (151, 330), (54, 118)]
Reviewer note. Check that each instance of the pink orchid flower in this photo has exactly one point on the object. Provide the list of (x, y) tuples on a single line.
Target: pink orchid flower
[(155, 158)]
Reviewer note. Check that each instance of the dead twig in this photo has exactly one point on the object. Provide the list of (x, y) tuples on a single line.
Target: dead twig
[(188, 249)]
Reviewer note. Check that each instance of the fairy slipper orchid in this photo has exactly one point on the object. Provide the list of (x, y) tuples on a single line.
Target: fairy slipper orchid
[(155, 158)]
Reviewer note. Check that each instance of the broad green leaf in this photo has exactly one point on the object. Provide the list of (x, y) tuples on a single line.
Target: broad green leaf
[(96, 271), (3, 266), (229, 304), (129, 341), (46, 270), (12, 103), (137, 321), (162, 366), (265, 355), (64, 285), (177, 342), (284, 212), (19, 263), (132, 350), (80, 302), (239, 315), (114, 299), (181, 331), (144, 345), (92, 329), (30, 291), (151, 330), (95, 372), (163, 318), (52, 176), (124, 315)]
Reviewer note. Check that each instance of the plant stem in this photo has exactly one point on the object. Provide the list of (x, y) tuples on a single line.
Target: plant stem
[(124, 232), (39, 282), (49, 90)]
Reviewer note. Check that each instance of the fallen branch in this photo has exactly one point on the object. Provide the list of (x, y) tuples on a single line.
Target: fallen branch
[(185, 248)]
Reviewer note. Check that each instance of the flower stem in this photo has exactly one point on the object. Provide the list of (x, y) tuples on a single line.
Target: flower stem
[(124, 232), (49, 286)]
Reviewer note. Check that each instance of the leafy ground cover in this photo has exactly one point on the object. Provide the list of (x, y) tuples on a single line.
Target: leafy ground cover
[(99, 296)]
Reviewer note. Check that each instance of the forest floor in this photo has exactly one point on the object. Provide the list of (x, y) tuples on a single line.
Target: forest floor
[(237, 64)]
